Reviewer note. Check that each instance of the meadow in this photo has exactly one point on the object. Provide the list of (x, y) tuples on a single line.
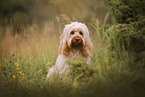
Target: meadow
[(27, 57)]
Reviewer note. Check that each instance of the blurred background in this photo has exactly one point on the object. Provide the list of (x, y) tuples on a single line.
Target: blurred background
[(22, 21), (26, 12)]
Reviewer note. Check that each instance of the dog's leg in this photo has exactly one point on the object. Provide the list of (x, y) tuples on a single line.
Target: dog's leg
[(62, 68), (65, 70), (60, 62), (59, 67), (89, 61), (52, 71)]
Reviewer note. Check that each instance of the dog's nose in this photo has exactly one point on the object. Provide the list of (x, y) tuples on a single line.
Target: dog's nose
[(77, 39)]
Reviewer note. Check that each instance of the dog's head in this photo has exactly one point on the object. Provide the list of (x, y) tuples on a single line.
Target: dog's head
[(75, 36), (75, 39)]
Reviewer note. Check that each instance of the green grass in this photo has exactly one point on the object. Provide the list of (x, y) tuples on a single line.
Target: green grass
[(109, 75)]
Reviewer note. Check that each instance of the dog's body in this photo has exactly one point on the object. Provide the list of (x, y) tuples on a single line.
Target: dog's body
[(73, 42)]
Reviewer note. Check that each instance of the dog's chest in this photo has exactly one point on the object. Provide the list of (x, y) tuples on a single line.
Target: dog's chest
[(74, 53)]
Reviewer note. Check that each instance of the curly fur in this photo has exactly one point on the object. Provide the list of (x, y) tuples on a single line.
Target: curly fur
[(74, 41)]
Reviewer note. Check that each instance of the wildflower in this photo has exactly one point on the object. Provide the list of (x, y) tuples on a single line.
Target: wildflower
[(75, 85), (20, 72), (18, 68), (17, 65), (41, 87), (14, 77), (10, 61)]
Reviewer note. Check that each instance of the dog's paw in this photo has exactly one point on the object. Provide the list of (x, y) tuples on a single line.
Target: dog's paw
[(52, 72), (89, 61)]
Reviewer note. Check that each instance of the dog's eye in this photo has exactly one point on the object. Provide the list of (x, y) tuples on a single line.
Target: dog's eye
[(81, 33), (72, 32)]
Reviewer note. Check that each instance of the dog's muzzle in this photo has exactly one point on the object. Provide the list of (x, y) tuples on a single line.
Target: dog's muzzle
[(77, 42)]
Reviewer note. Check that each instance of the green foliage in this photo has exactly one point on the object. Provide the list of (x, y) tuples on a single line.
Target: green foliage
[(126, 11), (128, 33), (132, 35)]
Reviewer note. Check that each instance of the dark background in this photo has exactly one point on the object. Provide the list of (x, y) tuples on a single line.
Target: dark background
[(17, 12)]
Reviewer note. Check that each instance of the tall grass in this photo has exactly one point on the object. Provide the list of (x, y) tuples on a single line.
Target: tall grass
[(26, 59)]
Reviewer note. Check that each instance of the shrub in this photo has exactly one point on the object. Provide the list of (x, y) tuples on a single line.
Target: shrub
[(129, 30)]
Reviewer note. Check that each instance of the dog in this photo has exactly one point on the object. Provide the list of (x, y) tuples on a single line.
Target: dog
[(74, 41)]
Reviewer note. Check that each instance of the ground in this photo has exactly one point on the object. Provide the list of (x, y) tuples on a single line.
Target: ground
[(27, 57)]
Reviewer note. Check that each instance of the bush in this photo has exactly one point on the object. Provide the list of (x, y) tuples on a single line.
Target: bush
[(128, 33), (126, 11)]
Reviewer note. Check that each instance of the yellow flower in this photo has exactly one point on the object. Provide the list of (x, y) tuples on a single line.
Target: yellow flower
[(17, 65), (18, 68), (20, 72), (14, 77), (75, 85), (41, 87)]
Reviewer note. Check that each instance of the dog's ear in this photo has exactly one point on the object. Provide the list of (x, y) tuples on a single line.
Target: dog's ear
[(86, 51), (63, 48), (88, 43)]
